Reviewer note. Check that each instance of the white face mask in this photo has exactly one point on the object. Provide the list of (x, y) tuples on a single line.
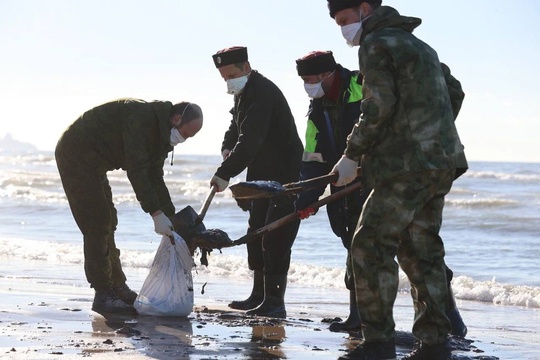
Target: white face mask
[(235, 86), (314, 91), (176, 138), (352, 33)]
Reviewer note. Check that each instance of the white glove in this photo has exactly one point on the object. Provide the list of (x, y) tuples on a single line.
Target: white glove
[(163, 225), (225, 153), (347, 170), (219, 183)]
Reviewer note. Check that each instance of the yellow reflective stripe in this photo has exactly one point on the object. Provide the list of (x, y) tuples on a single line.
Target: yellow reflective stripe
[(311, 137), (355, 89)]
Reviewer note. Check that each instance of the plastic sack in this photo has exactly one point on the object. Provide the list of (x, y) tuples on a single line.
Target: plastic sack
[(168, 288)]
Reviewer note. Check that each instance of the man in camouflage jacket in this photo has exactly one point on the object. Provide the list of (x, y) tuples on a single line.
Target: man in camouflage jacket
[(410, 153), (127, 134)]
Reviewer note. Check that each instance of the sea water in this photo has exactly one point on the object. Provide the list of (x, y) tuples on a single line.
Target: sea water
[(491, 231)]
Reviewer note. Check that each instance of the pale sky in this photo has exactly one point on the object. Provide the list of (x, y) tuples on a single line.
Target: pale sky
[(60, 58)]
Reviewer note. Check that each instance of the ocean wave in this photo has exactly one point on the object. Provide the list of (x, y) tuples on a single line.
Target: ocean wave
[(466, 288), (503, 176), (480, 202), (233, 266)]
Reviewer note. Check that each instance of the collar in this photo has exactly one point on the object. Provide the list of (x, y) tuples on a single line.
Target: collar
[(333, 93)]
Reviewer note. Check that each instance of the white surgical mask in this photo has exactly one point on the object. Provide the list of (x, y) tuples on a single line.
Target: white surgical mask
[(176, 138), (235, 86), (314, 91), (352, 33)]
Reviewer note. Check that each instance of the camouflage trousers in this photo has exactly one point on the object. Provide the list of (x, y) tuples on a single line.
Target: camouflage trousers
[(90, 199), (402, 218)]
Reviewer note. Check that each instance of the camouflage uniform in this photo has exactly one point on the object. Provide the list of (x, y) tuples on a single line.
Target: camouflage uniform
[(129, 134), (410, 152)]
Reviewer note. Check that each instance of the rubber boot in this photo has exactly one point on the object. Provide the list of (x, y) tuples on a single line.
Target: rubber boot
[(273, 304), (124, 293), (452, 313), (257, 294), (105, 301), (353, 322)]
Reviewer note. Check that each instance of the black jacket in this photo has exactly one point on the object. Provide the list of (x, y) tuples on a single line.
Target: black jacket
[(262, 136), (329, 124)]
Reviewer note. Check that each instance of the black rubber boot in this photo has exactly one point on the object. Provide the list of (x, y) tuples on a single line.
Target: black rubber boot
[(273, 304), (353, 322), (105, 301), (124, 293), (257, 294), (458, 326)]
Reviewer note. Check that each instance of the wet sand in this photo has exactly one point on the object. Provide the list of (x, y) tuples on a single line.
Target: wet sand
[(56, 323)]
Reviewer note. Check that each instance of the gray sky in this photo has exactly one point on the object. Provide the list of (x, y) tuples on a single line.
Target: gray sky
[(62, 57)]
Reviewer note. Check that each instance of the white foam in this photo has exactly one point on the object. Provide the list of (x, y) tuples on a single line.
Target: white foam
[(503, 176), (234, 266)]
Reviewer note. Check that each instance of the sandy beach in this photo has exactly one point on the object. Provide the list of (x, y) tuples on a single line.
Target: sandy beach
[(55, 322)]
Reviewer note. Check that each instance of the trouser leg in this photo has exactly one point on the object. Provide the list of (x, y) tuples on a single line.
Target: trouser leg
[(395, 211), (276, 253), (90, 205), (421, 256), (117, 274), (257, 218), (277, 244)]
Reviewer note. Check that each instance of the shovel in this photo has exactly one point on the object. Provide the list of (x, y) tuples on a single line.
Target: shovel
[(187, 222), (251, 190), (291, 217)]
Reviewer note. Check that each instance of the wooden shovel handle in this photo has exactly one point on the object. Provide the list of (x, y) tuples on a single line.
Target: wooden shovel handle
[(312, 183), (206, 205), (315, 182), (293, 216)]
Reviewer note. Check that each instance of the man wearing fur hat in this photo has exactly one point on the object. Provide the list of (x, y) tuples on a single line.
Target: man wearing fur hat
[(411, 153), (262, 137), (336, 94)]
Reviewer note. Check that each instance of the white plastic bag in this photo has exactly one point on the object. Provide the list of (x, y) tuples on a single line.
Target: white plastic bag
[(168, 288)]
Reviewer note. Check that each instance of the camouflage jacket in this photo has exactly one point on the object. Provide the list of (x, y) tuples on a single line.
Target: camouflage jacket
[(127, 134), (407, 123), (262, 135)]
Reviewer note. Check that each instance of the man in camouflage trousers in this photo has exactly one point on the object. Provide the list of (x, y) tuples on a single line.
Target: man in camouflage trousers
[(127, 134), (410, 154)]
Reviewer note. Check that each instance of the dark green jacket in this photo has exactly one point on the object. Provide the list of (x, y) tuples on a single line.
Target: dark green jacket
[(262, 136), (127, 134), (407, 123)]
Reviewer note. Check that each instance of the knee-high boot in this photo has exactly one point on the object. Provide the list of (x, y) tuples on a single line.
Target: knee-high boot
[(257, 294), (273, 304), (353, 322), (452, 312)]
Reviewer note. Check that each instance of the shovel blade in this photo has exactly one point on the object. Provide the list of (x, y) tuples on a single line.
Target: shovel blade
[(185, 223), (256, 189)]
